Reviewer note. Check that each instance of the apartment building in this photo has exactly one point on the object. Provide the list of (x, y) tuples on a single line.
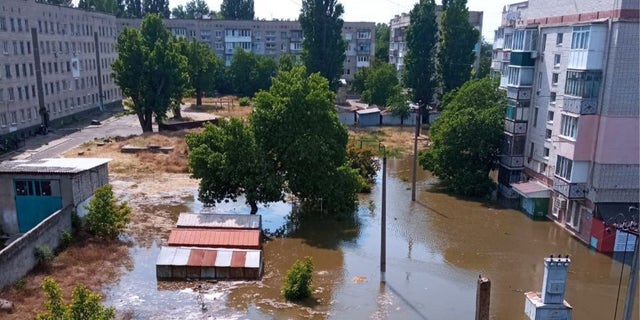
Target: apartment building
[(267, 38), (571, 151), (54, 63), (398, 42)]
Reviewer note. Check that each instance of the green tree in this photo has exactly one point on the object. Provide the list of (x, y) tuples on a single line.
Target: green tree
[(457, 39), (204, 68), (466, 139), (286, 62), (297, 282), (150, 70), (179, 12), (106, 218), (84, 304), (398, 104), (359, 80), (363, 159), (420, 72), (108, 6), (229, 163), (486, 54), (196, 9), (323, 49), (251, 73), (237, 9), (159, 7), (134, 9), (382, 42), (296, 124), (380, 84)]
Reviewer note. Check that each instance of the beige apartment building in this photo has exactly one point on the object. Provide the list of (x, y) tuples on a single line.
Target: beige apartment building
[(54, 63)]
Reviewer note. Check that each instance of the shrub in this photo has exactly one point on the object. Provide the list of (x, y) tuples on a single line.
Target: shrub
[(44, 256), (65, 239), (244, 102), (297, 283), (19, 285), (106, 218), (84, 304)]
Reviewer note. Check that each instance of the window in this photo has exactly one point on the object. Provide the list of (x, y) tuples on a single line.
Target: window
[(569, 126), (547, 134), (3, 24), (519, 76), (7, 71), (556, 60), (580, 37), (517, 111), (563, 167), (573, 218), (559, 39), (542, 168), (545, 152), (550, 115), (12, 96), (535, 116), (554, 79), (525, 39), (544, 42), (552, 97), (584, 84), (44, 188)]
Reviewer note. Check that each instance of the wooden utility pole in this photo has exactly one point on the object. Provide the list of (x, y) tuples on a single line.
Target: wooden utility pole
[(483, 298)]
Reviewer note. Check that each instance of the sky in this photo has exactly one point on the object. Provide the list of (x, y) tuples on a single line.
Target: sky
[(367, 10)]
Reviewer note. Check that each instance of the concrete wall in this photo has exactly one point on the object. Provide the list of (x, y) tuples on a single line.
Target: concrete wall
[(85, 183), (18, 258)]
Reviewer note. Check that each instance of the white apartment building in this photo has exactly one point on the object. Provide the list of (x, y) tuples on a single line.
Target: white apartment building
[(398, 42), (571, 151), (268, 38), (54, 63)]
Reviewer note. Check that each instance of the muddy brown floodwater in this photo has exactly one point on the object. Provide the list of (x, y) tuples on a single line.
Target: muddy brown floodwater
[(436, 248)]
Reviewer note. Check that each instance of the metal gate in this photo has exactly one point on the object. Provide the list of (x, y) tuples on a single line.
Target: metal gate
[(35, 201)]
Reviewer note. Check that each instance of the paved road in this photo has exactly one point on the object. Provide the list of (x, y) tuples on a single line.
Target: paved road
[(60, 140)]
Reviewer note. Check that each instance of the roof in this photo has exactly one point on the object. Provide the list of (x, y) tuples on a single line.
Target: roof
[(222, 238), (209, 257), (54, 165), (228, 221), (531, 189), (368, 111)]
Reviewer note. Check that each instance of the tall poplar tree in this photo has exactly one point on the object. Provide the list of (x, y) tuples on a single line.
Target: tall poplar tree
[(457, 39), (420, 61), (382, 42), (237, 9), (323, 49)]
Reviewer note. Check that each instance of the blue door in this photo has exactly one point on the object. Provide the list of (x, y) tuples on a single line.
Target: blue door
[(35, 201)]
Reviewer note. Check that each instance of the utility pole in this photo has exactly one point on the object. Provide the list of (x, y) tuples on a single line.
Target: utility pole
[(415, 153), (383, 220)]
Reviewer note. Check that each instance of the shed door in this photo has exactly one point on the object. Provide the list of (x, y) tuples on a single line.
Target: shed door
[(35, 201)]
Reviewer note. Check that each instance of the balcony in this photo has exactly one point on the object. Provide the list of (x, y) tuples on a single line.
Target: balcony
[(518, 93), (506, 56), (568, 189), (498, 44), (520, 58), (585, 59), (496, 65), (582, 106), (504, 79), (515, 127), (512, 162)]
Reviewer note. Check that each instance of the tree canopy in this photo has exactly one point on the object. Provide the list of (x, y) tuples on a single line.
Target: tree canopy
[(84, 304), (250, 72), (229, 163), (379, 85), (115, 7), (466, 139), (486, 54), (66, 3), (457, 39), (323, 49), (150, 70), (237, 9), (420, 60), (296, 124), (204, 68), (382, 42), (194, 9)]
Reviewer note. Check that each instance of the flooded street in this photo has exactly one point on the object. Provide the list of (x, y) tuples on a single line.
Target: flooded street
[(436, 248)]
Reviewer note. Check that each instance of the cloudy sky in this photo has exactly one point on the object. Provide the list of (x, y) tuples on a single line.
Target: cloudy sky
[(366, 10)]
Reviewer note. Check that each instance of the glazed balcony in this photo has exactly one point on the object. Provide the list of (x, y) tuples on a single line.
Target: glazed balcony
[(569, 189)]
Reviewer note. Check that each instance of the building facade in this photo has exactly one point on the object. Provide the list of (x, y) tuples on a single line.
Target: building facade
[(267, 38), (571, 151), (398, 42), (55, 62)]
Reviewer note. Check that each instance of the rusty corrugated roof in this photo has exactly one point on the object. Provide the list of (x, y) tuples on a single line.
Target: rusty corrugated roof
[(222, 238)]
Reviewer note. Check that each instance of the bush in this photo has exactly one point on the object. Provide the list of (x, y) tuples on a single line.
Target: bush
[(106, 218), (66, 238), (297, 283), (44, 256), (244, 102), (84, 304)]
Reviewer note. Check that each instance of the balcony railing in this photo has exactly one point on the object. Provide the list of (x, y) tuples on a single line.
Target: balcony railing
[(515, 127), (513, 162), (518, 93), (580, 106), (568, 189)]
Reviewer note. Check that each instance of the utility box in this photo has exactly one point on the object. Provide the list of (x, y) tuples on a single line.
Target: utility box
[(550, 303)]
